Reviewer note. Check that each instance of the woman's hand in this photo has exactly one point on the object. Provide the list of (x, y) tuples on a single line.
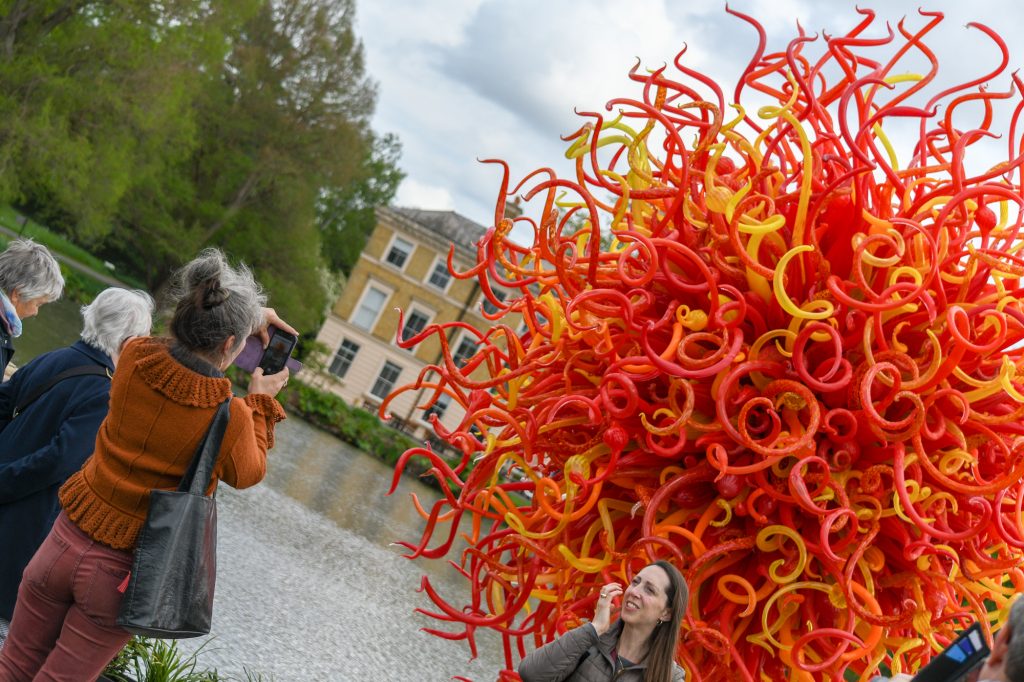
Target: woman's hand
[(270, 318), (270, 384), (603, 615)]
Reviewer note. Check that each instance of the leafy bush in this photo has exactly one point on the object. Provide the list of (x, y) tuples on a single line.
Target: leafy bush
[(351, 424), (157, 660), (78, 287)]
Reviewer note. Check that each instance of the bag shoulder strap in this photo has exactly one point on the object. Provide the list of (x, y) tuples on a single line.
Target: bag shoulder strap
[(82, 370), (200, 470)]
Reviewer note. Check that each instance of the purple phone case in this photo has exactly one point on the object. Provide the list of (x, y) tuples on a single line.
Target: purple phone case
[(249, 358)]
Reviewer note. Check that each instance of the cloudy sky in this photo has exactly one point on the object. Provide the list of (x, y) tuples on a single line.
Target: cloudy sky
[(462, 80)]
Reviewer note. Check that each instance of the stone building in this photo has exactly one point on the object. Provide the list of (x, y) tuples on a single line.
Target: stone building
[(404, 266)]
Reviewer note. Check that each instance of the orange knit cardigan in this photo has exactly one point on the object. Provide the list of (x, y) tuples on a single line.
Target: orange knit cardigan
[(159, 411)]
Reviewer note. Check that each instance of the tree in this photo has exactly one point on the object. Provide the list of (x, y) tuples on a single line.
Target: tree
[(345, 215), (95, 97), (155, 129)]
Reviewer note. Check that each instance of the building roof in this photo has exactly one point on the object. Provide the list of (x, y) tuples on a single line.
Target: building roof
[(447, 224)]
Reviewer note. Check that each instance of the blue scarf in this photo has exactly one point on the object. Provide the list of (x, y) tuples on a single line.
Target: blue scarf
[(11, 316)]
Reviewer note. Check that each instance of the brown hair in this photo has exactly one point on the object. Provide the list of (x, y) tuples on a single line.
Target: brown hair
[(665, 638)]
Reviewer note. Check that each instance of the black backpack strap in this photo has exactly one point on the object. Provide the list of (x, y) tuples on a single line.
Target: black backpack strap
[(83, 370)]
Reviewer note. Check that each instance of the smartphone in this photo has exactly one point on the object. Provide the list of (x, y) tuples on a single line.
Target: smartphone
[(966, 652), (278, 351), (253, 355)]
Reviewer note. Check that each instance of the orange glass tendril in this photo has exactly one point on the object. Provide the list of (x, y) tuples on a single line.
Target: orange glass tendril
[(761, 345)]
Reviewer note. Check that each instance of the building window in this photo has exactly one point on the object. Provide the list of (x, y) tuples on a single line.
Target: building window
[(467, 348), (369, 308), (399, 252), (343, 358), (385, 382), (439, 276), (438, 408), (414, 324), (489, 307)]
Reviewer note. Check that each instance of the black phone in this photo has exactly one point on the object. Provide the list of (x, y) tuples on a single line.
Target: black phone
[(278, 351), (966, 652)]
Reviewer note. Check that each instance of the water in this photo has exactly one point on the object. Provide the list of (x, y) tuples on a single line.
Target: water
[(309, 585), (58, 324)]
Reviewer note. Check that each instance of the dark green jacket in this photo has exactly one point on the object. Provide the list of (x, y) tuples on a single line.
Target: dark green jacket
[(581, 656)]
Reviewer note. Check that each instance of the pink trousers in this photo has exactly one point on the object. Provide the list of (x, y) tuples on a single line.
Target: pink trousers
[(63, 628)]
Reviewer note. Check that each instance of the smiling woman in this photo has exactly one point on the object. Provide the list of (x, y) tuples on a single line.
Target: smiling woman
[(639, 647)]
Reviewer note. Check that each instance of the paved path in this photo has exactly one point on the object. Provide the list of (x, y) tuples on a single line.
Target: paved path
[(284, 607)]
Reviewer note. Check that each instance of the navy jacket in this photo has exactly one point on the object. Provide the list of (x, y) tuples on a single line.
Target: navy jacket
[(40, 449), (6, 346)]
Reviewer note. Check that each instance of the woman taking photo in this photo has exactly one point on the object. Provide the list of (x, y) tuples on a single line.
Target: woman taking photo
[(162, 400), (639, 647)]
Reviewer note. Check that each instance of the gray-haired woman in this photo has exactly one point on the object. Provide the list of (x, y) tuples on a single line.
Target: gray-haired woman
[(53, 435), (162, 399), (29, 277)]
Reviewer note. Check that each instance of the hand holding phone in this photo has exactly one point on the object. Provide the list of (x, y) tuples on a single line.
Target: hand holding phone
[(253, 355), (278, 351)]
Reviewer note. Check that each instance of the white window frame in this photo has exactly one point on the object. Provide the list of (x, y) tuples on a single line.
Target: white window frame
[(377, 379), (425, 414), (391, 245), (464, 338), (442, 262), (371, 284), (485, 302), (351, 361), (416, 308)]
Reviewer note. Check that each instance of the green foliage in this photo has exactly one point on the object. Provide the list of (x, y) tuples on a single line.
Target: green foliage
[(351, 424), (26, 227), (156, 129), (95, 96), (157, 660), (345, 215), (311, 353), (80, 288)]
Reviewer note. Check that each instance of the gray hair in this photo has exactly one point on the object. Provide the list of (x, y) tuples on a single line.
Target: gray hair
[(30, 270), (1015, 655), (115, 315), (215, 301)]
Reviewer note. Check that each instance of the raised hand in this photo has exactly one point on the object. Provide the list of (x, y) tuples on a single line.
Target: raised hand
[(603, 615)]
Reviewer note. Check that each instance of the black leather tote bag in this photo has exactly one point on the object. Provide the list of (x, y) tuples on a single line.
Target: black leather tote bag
[(170, 590)]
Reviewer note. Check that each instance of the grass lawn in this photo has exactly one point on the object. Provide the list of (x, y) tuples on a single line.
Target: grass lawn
[(58, 244)]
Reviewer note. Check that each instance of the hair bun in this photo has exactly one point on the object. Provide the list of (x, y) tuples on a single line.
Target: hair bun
[(211, 293)]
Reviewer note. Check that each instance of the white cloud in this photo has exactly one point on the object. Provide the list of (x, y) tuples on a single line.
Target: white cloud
[(422, 195), (462, 80)]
